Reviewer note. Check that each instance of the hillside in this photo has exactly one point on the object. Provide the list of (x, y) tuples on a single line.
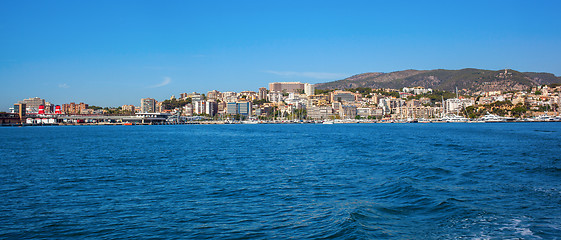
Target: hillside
[(468, 80)]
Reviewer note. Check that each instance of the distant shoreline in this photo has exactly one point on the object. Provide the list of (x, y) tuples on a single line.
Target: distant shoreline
[(260, 123)]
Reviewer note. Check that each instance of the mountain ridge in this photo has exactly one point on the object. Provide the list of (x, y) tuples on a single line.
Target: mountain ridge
[(467, 79)]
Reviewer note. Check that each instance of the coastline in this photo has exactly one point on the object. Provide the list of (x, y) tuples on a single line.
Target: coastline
[(266, 122)]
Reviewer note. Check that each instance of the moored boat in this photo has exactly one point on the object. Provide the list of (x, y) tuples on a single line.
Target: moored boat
[(453, 118)]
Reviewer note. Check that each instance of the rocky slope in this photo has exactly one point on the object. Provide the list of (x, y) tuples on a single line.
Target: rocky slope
[(468, 80)]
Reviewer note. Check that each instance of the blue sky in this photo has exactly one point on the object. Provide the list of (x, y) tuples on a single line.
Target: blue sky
[(110, 53)]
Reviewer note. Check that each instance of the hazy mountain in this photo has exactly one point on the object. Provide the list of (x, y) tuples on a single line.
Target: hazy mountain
[(469, 79)]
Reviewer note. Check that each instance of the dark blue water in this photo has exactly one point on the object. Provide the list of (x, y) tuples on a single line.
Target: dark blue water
[(361, 181)]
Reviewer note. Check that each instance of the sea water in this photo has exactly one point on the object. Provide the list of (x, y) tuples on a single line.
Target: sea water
[(301, 181)]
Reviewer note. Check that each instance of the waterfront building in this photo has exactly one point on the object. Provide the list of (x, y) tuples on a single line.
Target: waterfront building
[(241, 108), (148, 117), (377, 112), (221, 107), (245, 108), (406, 112), (364, 112), (286, 87), (309, 89), (9, 118), (263, 111), (199, 107), (454, 105), (232, 108), (20, 110), (211, 108), (147, 105), (33, 104), (188, 110), (347, 111), (320, 112)]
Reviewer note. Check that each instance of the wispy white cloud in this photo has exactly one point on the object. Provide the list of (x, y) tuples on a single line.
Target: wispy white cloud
[(316, 75), (63, 85), (166, 81)]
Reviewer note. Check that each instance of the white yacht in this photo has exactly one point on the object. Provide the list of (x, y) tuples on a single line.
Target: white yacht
[(492, 118), (544, 118), (251, 121), (454, 118)]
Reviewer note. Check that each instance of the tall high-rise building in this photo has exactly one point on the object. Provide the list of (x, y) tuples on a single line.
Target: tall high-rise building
[(19, 109), (262, 93), (309, 89), (199, 107), (454, 105), (148, 105), (211, 108)]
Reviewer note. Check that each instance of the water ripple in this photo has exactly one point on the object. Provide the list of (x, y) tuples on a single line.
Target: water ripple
[(363, 181)]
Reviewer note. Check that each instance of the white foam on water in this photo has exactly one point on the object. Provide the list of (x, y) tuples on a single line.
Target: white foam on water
[(482, 238), (519, 228)]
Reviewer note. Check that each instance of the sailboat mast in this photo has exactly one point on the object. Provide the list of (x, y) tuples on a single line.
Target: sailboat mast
[(443, 108), (458, 97)]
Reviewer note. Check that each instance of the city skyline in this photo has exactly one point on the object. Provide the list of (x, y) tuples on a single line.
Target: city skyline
[(112, 54)]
